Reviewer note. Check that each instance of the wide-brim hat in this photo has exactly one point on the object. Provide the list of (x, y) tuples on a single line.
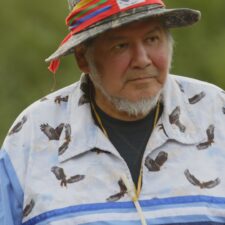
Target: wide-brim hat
[(89, 18)]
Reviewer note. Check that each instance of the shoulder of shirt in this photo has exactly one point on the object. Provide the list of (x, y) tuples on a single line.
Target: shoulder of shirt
[(192, 85), (54, 99), (50, 108)]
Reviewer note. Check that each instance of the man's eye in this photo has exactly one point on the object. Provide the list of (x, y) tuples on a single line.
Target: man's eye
[(120, 46), (152, 39)]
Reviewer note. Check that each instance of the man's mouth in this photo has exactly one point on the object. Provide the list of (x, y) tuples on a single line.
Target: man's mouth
[(141, 78)]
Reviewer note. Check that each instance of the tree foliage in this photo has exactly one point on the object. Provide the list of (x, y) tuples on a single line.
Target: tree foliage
[(32, 30)]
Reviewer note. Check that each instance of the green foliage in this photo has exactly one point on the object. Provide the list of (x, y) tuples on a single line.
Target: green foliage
[(32, 30), (200, 49)]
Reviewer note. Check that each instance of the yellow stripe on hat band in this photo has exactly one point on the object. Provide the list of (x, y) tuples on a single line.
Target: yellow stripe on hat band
[(81, 4)]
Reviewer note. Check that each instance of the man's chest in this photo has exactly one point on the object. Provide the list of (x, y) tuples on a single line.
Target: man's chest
[(89, 188)]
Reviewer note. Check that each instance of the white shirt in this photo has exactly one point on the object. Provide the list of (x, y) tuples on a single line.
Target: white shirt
[(74, 175)]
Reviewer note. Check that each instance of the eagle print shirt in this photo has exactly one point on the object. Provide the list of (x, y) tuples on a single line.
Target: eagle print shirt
[(57, 167)]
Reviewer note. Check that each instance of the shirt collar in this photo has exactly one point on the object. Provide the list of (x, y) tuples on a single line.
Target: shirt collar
[(86, 135), (179, 119)]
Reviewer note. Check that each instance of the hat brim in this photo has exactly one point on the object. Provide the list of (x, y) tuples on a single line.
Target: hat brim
[(172, 18)]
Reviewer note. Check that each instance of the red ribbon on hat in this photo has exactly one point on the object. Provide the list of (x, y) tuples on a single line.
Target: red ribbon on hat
[(89, 12), (54, 64)]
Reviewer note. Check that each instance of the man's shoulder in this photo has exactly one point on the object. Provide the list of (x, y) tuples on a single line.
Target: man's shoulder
[(54, 101), (193, 82), (48, 110), (191, 85)]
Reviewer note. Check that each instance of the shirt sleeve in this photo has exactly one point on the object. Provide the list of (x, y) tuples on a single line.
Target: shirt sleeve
[(11, 194)]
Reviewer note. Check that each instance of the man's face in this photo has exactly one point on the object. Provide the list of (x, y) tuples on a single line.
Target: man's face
[(128, 66), (131, 62)]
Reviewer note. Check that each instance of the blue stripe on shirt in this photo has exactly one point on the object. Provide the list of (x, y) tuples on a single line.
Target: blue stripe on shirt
[(127, 207), (138, 223), (11, 193)]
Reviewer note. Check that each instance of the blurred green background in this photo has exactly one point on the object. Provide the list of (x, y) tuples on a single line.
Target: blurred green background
[(32, 30)]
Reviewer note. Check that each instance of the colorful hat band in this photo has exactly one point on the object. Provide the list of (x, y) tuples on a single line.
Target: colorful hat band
[(89, 12)]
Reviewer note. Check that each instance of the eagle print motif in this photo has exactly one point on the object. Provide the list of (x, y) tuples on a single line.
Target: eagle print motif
[(180, 86), (28, 208), (119, 195), (161, 127), (155, 165), (59, 99), (43, 99), (196, 98), (65, 144), (193, 180), (75, 179), (50, 132), (18, 126), (60, 175), (174, 118), (223, 110), (210, 138)]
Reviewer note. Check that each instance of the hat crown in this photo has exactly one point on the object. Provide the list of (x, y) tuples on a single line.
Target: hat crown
[(72, 3)]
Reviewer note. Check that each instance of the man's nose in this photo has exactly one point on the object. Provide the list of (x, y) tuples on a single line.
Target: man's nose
[(141, 57)]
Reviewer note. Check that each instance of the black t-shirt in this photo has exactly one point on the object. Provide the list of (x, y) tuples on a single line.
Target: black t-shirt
[(129, 138)]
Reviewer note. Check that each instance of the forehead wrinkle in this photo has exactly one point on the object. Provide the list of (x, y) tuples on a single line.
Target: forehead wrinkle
[(155, 29), (117, 36)]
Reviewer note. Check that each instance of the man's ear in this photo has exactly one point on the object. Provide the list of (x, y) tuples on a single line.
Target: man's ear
[(82, 63)]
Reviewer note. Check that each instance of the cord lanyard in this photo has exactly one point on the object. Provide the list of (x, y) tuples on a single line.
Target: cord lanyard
[(131, 191)]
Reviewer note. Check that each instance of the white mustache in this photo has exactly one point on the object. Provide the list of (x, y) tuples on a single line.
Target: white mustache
[(148, 72)]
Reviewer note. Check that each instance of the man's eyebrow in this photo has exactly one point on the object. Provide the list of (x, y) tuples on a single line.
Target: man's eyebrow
[(155, 29), (117, 37)]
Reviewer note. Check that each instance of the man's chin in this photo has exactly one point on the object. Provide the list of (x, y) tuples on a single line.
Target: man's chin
[(134, 108)]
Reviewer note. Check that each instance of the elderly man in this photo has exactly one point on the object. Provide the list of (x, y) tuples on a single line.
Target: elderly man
[(128, 143)]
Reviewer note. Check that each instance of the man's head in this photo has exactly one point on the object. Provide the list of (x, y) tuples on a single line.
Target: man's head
[(90, 18), (128, 65), (130, 51)]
